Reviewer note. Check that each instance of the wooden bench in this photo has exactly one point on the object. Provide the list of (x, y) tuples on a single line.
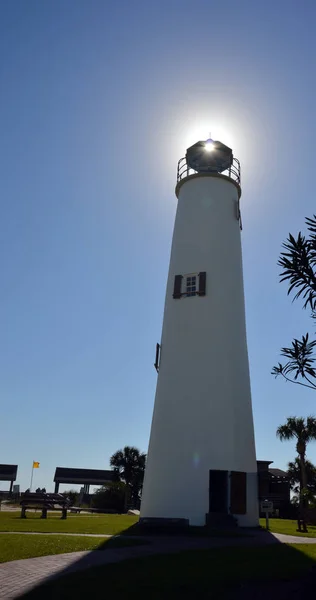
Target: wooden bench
[(44, 502)]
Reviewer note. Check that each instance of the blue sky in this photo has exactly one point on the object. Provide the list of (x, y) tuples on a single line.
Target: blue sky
[(99, 100)]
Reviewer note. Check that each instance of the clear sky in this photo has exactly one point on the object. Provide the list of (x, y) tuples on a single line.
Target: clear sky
[(99, 100)]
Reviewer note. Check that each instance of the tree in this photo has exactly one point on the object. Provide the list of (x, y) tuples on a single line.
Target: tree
[(294, 473), (110, 496), (130, 463), (73, 497), (298, 262), (303, 431)]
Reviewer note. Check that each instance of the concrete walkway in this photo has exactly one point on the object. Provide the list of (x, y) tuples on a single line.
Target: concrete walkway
[(281, 537), (18, 577), (293, 539)]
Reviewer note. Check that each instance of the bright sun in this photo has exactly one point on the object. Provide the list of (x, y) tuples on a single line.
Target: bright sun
[(209, 146), (204, 132)]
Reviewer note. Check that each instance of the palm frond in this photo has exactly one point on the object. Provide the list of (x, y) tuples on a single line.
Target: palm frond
[(301, 359), (298, 261), (311, 428), (293, 428), (303, 430), (284, 432), (277, 370)]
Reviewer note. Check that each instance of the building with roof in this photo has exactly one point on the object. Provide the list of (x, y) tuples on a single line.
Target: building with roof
[(274, 485), (83, 477), (8, 473)]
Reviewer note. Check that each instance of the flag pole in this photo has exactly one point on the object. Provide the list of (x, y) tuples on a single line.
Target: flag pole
[(32, 476)]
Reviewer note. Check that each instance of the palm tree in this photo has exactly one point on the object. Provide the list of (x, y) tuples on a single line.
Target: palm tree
[(130, 463), (298, 263), (303, 431)]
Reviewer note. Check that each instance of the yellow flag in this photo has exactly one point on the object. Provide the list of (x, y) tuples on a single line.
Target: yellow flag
[(35, 465)]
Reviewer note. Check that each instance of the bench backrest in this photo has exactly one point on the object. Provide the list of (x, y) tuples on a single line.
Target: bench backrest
[(44, 499)]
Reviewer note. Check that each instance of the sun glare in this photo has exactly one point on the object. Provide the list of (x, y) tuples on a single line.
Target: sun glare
[(209, 146), (204, 132)]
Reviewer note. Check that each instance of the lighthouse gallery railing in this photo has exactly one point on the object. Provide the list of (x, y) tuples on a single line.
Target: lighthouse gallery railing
[(184, 170)]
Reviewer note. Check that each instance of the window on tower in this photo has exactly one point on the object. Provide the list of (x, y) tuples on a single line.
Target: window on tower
[(190, 285)]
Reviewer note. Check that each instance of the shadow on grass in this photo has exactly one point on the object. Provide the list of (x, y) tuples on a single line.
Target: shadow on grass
[(191, 531), (240, 568)]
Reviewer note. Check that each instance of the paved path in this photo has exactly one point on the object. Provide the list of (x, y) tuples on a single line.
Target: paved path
[(281, 537), (293, 539), (19, 576)]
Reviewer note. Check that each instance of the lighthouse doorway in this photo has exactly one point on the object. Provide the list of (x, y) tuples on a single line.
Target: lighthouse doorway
[(218, 492)]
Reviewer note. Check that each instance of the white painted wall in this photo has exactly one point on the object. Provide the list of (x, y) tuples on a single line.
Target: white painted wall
[(202, 415)]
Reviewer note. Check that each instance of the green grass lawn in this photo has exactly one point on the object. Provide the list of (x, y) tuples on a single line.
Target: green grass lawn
[(98, 524), (187, 575), (103, 524), (288, 526), (15, 546)]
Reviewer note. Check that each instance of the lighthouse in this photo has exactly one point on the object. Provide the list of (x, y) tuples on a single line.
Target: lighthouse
[(201, 467)]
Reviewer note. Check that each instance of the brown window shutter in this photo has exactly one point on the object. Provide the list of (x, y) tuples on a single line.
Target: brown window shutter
[(177, 286), (238, 493), (202, 283)]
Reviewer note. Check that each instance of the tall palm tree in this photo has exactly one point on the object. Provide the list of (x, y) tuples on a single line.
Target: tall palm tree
[(130, 463), (303, 431)]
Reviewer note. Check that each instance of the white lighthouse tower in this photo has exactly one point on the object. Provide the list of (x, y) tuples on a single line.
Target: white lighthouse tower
[(201, 463)]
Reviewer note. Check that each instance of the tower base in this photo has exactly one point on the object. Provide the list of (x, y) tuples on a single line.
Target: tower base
[(220, 521), (228, 499), (161, 525)]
